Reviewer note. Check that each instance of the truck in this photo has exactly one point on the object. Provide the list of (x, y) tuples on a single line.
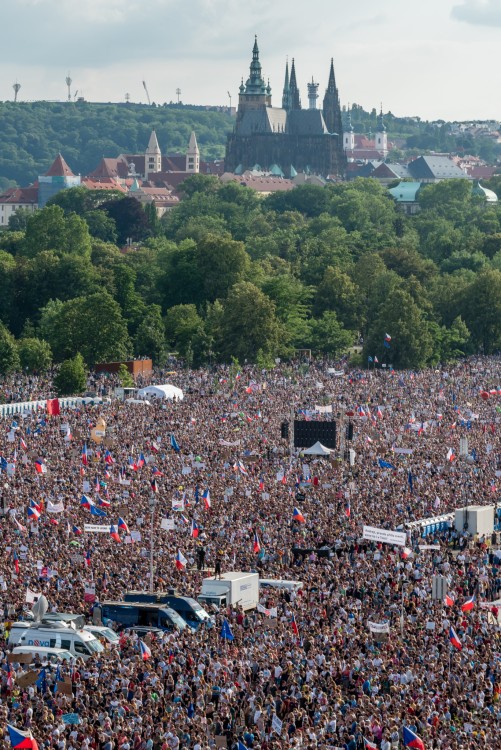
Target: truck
[(189, 609), (129, 614), (232, 589)]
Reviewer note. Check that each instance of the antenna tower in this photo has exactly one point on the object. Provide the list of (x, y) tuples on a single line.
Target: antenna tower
[(68, 83), (178, 94), (147, 92), (16, 86)]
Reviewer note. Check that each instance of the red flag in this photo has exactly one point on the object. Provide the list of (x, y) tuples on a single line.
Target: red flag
[(53, 406)]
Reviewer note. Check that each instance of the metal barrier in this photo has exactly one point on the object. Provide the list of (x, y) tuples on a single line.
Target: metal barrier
[(23, 407)]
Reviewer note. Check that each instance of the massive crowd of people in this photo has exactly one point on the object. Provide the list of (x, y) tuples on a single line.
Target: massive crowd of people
[(316, 675)]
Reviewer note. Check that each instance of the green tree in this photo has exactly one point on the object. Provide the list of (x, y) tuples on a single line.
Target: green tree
[(249, 325), (329, 336), (101, 226), (411, 345), (92, 325), (221, 264), (72, 377), (18, 221), (337, 292), (124, 377), (35, 354), (482, 310), (9, 356), (150, 336), (182, 323), (130, 219), (49, 229)]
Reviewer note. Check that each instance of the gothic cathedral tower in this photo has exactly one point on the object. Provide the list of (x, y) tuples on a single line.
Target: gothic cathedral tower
[(331, 106)]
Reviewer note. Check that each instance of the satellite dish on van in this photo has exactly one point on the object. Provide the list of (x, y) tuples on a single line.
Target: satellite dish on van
[(40, 608)]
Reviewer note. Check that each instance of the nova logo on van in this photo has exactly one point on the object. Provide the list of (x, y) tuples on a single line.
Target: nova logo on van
[(39, 643)]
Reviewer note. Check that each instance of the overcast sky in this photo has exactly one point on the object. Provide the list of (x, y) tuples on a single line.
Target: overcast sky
[(431, 58)]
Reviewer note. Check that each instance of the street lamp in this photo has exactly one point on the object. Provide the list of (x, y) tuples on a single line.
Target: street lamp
[(152, 504)]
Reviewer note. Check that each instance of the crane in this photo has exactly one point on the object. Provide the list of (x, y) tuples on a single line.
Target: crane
[(147, 94)]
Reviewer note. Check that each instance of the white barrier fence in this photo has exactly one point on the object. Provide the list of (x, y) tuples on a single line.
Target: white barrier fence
[(28, 407)]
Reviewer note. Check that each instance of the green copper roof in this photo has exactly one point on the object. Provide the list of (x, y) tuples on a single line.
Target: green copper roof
[(405, 192)]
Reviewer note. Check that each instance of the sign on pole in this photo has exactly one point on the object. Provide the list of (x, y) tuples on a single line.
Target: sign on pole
[(438, 587), (97, 528)]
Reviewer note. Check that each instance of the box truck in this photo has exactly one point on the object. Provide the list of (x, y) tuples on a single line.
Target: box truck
[(233, 589)]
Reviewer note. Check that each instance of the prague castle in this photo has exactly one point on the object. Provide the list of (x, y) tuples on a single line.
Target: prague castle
[(286, 140)]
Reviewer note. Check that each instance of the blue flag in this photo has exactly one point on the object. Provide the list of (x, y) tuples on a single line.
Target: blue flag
[(386, 344), (95, 511), (41, 682), (411, 482), (173, 443), (369, 359), (384, 464), (226, 631), (241, 745)]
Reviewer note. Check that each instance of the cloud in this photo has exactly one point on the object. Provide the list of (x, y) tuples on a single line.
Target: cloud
[(478, 12)]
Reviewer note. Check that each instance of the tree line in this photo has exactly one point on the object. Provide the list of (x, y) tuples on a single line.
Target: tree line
[(228, 274)]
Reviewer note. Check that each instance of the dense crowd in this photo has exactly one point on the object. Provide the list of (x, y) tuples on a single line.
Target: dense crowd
[(316, 675)]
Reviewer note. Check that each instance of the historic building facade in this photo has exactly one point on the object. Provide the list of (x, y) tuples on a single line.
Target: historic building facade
[(288, 139)]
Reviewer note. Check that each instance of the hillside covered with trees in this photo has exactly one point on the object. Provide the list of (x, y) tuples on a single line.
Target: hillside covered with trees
[(229, 275), (34, 133)]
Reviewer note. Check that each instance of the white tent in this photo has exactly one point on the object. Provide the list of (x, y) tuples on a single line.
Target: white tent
[(317, 450), (161, 391)]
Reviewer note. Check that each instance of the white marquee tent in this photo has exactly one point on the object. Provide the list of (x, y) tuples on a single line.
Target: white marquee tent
[(161, 391), (317, 450)]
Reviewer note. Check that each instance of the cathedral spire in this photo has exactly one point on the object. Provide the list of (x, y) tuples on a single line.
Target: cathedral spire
[(295, 101), (331, 107), (286, 95), (255, 83), (331, 86)]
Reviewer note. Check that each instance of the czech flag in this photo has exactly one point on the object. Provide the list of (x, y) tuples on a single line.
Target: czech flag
[(412, 740), (184, 519), (261, 484), (33, 514), (108, 458), (206, 498), (76, 530), (114, 533), (23, 445), (468, 605), (145, 651), (123, 526), (40, 467), (35, 505), (87, 558), (257, 544), (194, 529), (406, 552), (157, 472), (21, 740), (298, 516), (454, 639), (140, 461), (102, 502), (86, 502), (347, 509), (154, 485), (294, 626), (387, 337), (132, 464), (450, 455), (370, 745), (85, 458), (181, 561), (448, 601), (15, 559)]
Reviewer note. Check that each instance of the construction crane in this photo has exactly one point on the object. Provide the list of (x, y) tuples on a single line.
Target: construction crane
[(147, 94)]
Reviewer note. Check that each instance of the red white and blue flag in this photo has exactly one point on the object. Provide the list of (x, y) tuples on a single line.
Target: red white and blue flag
[(206, 499), (412, 740), (114, 533), (294, 626), (448, 601), (40, 467), (108, 458), (194, 529), (123, 526), (21, 740), (181, 561), (298, 516), (453, 637), (85, 458), (145, 651), (257, 544)]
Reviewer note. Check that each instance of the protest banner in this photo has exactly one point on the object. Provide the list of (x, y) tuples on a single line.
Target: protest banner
[(373, 534)]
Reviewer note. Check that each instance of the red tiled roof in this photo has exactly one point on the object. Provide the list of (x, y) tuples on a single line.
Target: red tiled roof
[(104, 184), (59, 168), (481, 172), (27, 195)]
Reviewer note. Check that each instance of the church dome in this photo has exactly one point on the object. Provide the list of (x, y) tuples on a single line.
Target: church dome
[(483, 192)]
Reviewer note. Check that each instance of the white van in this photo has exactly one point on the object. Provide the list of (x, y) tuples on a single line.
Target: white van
[(47, 655), (269, 583), (55, 634), (103, 634)]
